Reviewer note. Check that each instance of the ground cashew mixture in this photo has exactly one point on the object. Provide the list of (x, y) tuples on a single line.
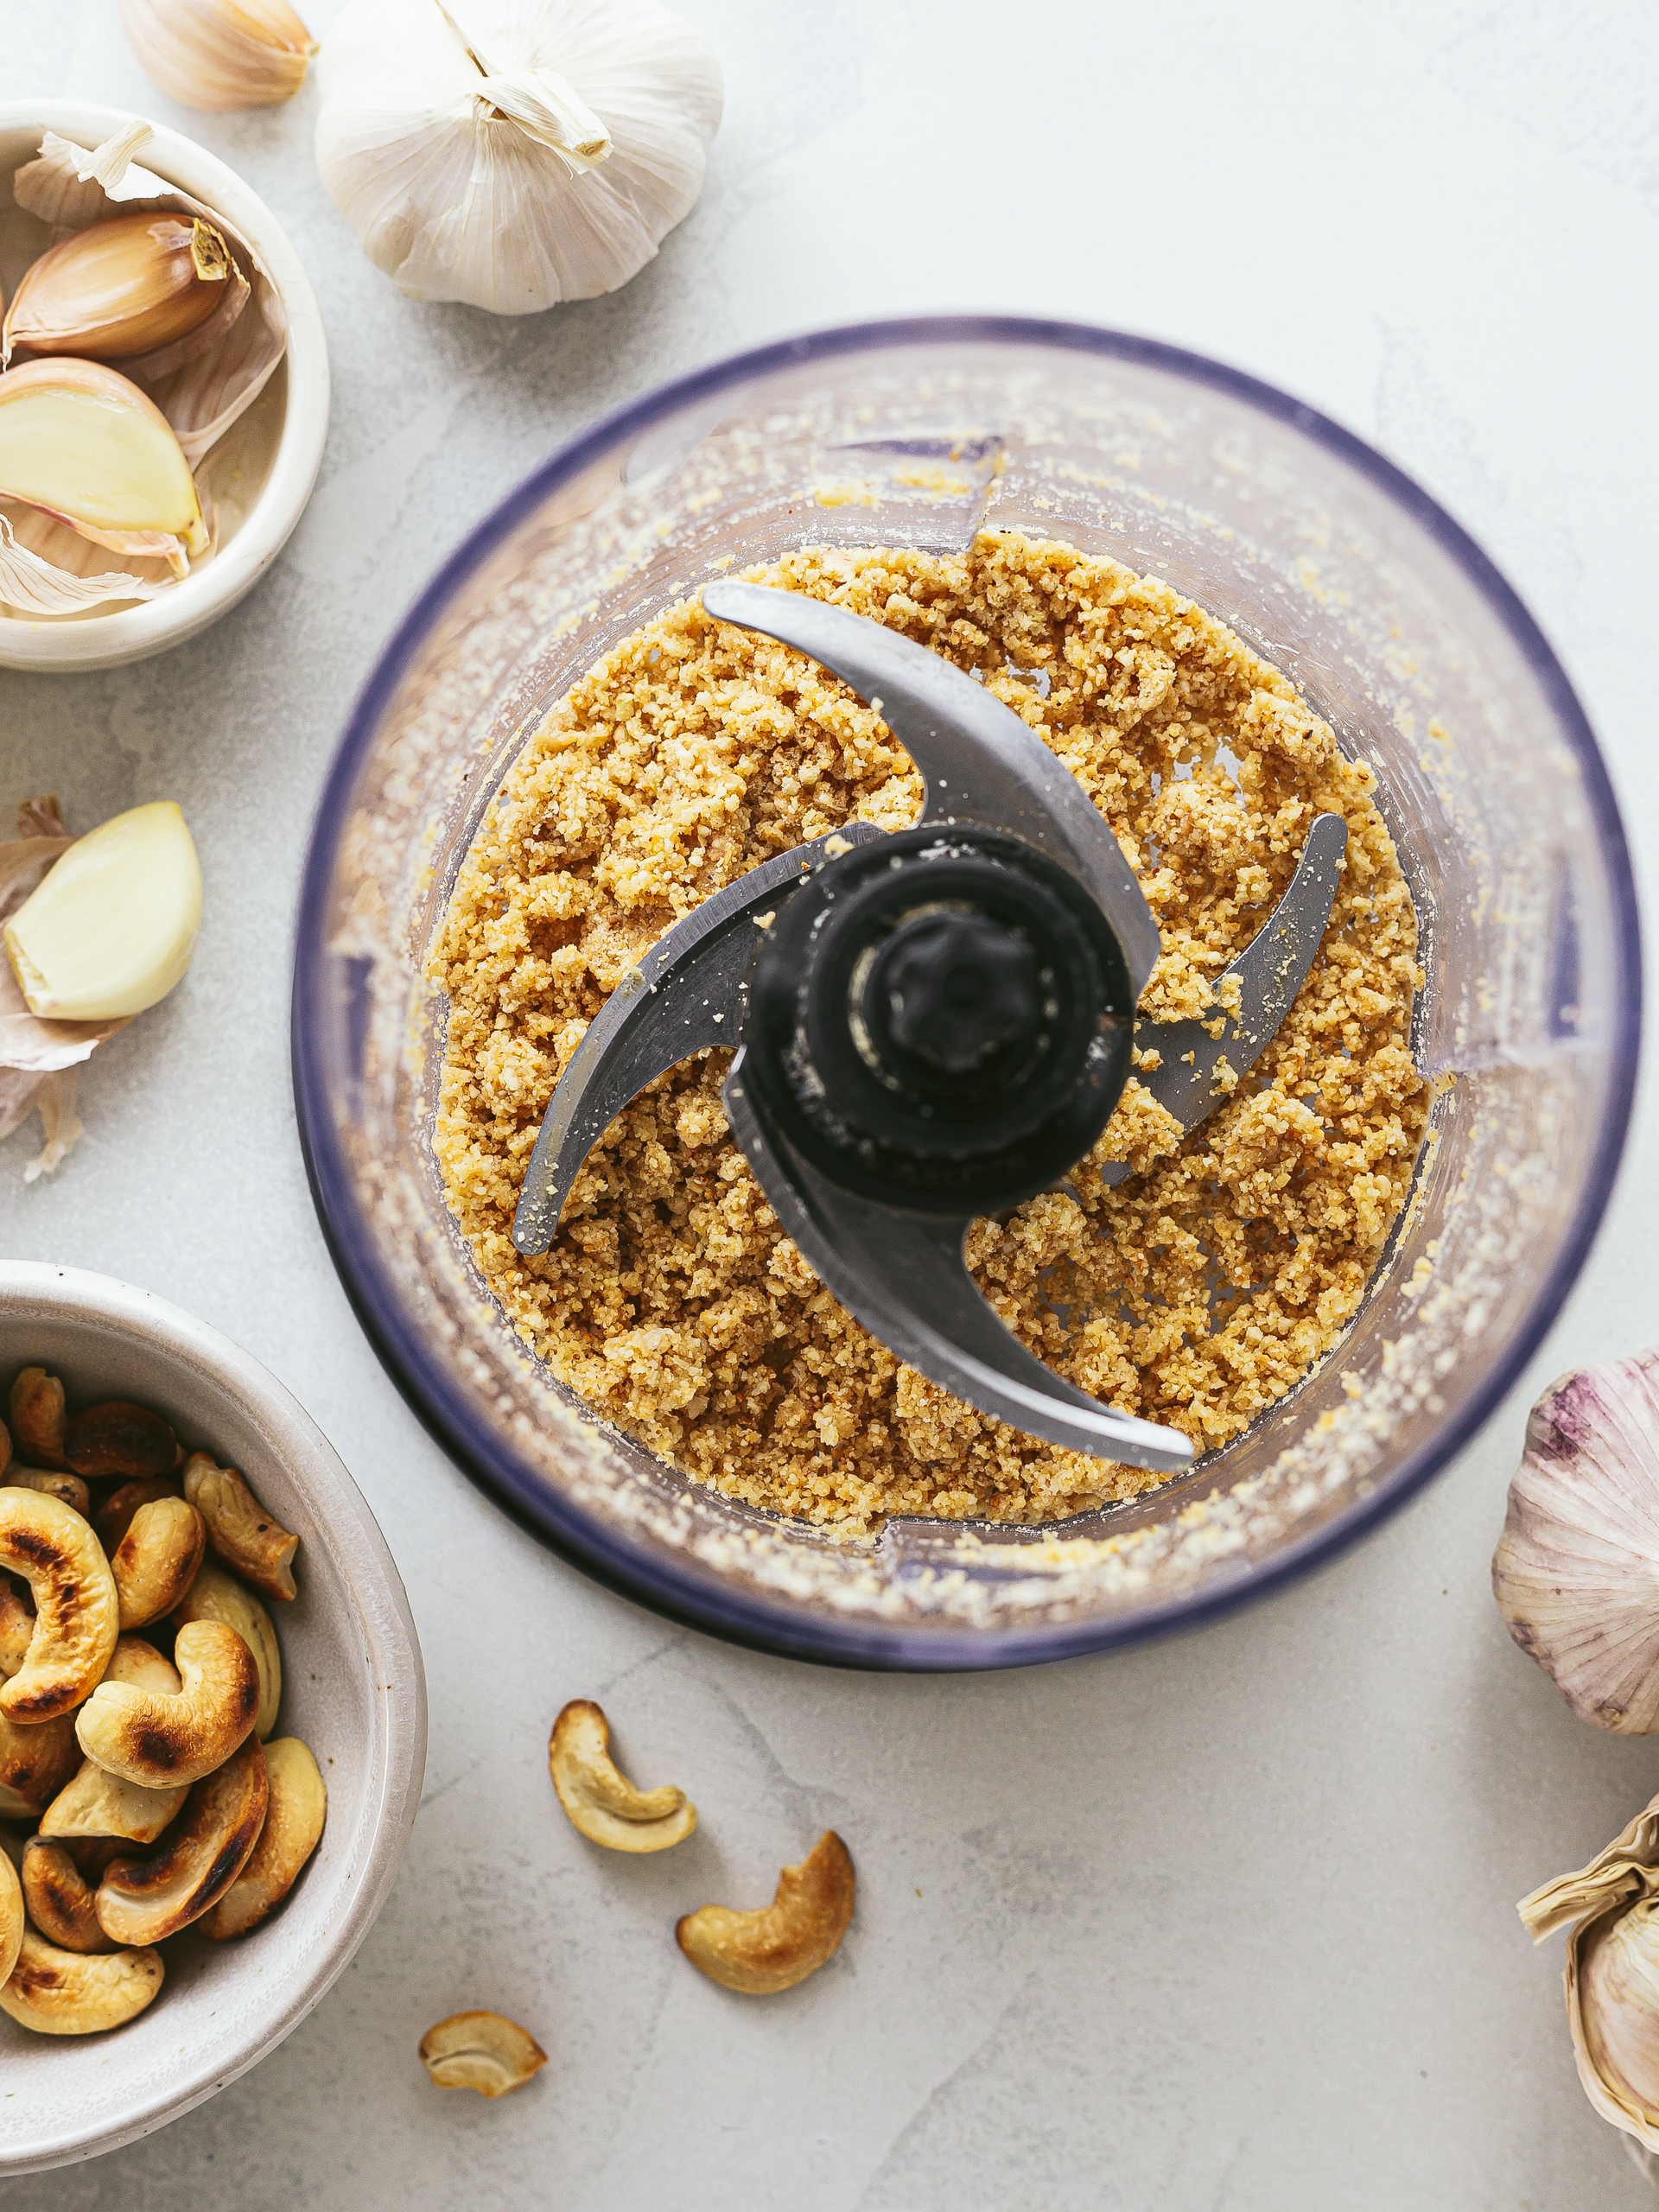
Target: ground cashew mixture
[(1196, 1293)]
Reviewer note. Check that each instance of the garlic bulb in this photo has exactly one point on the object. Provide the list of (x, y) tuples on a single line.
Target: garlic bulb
[(1576, 1572), (513, 153), (132, 285), (79, 441), (1612, 1972), (218, 55), (112, 927)]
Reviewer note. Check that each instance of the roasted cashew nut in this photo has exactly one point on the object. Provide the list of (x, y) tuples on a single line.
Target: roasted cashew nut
[(96, 1804), (294, 1813), (601, 1801), (155, 1562), (16, 1627), (12, 1921), (762, 1951), (59, 1993), (35, 1763), (69, 1489), (115, 1514), (36, 1411), (239, 1529), (480, 2050), (60, 1898), (120, 1439), (216, 1595), (159, 1740), (75, 1606), (145, 1900)]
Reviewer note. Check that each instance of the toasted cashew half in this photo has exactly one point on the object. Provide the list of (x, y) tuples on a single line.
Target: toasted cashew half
[(16, 1627), (75, 1606), (59, 1992), (155, 1562), (120, 1439), (35, 1763), (762, 1951), (95, 1804), (114, 1517), (483, 2051), (36, 1412), (603, 1802), (216, 1595), (144, 1900), (239, 1529), (157, 1740), (295, 1814), (60, 1898), (68, 1488), (12, 1922)]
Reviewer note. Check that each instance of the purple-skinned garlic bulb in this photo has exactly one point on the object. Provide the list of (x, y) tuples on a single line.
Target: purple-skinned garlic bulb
[(1576, 1572)]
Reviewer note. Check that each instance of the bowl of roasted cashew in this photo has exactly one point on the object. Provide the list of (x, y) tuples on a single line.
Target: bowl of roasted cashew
[(213, 1714)]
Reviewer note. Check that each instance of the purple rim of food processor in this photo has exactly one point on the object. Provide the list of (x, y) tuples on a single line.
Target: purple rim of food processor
[(653, 1578)]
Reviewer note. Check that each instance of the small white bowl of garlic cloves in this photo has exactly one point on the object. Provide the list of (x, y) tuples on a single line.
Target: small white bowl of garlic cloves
[(211, 1714), (164, 391)]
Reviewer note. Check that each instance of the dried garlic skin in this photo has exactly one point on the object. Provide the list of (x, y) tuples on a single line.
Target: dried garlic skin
[(120, 287), (112, 928), (219, 56), (82, 442), (514, 153), (1576, 1571)]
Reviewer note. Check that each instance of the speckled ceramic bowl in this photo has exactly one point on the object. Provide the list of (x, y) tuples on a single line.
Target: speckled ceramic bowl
[(352, 1689)]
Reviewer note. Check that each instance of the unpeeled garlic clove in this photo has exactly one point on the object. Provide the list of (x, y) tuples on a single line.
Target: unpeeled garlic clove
[(83, 442), (1576, 1571), (1611, 1976), (125, 287), (219, 55), (110, 930)]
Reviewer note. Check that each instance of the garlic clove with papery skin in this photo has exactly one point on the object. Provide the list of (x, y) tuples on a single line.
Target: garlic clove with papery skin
[(1611, 1977), (83, 442), (218, 57), (1576, 1571), (132, 285), (111, 929)]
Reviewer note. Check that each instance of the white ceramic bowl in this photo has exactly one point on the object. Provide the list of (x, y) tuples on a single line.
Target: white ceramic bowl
[(352, 1688), (294, 404)]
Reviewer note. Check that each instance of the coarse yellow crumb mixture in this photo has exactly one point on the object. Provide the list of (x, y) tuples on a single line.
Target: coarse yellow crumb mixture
[(1196, 1293)]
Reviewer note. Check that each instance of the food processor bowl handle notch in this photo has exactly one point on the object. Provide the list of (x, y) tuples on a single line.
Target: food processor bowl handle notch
[(979, 763), (902, 1275)]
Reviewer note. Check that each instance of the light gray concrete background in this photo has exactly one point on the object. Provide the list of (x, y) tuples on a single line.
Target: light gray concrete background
[(1227, 1923)]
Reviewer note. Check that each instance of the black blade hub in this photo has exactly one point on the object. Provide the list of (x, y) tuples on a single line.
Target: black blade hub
[(941, 1021)]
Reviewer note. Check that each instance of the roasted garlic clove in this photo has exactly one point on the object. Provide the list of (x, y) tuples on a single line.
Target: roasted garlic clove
[(221, 55), (83, 442), (1576, 1572), (770, 1949), (109, 931), (601, 1801), (121, 287), (480, 2050), (1612, 1972)]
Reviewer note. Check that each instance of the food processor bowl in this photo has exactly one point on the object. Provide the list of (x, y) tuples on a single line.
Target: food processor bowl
[(1322, 557)]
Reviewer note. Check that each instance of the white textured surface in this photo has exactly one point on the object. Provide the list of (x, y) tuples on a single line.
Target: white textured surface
[(1223, 1923)]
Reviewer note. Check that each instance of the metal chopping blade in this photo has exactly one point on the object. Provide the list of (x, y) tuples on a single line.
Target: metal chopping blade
[(896, 1264)]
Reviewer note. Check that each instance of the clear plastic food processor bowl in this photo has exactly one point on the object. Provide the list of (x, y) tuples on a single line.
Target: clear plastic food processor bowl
[(1327, 561)]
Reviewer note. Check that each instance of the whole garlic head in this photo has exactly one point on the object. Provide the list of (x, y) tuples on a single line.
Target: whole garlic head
[(1576, 1572), (513, 153), (1612, 1972)]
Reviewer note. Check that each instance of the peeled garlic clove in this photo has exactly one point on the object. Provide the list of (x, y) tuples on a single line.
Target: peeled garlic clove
[(112, 927), (1576, 1572), (219, 55), (127, 286), (83, 442)]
